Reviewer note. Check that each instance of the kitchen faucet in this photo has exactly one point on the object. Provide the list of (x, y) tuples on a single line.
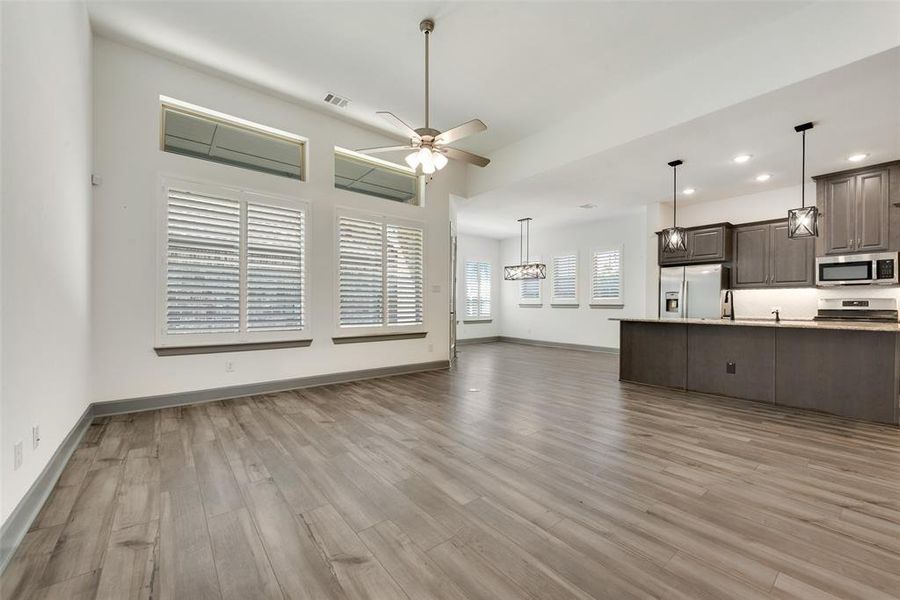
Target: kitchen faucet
[(728, 306), (777, 314)]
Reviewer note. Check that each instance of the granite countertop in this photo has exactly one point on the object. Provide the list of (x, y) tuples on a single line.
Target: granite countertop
[(796, 324)]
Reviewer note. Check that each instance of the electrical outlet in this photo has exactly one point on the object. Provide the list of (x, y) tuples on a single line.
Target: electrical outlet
[(730, 368), (229, 366), (35, 437), (17, 455)]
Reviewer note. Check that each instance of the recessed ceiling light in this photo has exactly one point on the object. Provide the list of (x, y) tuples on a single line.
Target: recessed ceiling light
[(763, 177), (857, 157), (742, 158), (688, 191)]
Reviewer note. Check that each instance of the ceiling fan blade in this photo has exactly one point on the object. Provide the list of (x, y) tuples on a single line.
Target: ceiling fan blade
[(380, 149), (474, 159), (398, 123), (460, 131)]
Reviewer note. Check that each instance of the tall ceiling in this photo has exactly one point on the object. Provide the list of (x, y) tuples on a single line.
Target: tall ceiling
[(581, 99)]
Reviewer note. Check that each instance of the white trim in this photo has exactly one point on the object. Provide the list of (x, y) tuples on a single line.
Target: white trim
[(163, 339), (384, 219), (380, 162), (214, 114), (563, 301), (604, 302)]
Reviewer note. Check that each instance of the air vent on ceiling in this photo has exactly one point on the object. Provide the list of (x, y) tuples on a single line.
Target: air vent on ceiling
[(336, 100), (587, 206)]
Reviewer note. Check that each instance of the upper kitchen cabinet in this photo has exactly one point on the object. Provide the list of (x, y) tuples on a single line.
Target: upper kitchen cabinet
[(764, 256), (706, 244), (860, 210)]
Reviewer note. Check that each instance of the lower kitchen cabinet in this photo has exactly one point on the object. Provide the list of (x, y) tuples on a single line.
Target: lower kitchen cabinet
[(729, 362), (766, 257), (653, 353)]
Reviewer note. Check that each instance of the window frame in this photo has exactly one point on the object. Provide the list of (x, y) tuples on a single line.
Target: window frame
[(165, 102), (608, 302), (555, 301), (386, 164), (166, 340), (385, 329), (479, 318)]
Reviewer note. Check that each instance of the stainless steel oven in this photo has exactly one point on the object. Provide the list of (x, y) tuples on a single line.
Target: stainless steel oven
[(857, 269)]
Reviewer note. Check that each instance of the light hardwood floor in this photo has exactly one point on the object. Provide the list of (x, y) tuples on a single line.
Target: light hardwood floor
[(524, 473)]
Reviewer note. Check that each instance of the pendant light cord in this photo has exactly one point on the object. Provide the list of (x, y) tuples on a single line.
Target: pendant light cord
[(803, 174), (674, 196)]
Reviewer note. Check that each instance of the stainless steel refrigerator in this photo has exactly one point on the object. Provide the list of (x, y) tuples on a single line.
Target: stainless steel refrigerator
[(692, 292)]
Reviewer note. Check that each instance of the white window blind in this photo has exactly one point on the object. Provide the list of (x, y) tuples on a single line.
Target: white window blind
[(530, 291), (203, 264), (405, 275), (361, 272), (565, 279), (274, 268), (233, 267), (478, 289), (606, 277), (381, 273)]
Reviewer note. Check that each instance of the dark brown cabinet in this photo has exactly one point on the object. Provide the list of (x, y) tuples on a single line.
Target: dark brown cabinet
[(857, 210), (766, 257), (707, 244)]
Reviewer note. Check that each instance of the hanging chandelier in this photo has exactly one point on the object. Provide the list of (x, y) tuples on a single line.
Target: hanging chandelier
[(674, 236), (803, 222), (525, 269)]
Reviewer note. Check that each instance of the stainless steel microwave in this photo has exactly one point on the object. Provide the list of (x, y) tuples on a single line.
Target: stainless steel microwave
[(857, 269)]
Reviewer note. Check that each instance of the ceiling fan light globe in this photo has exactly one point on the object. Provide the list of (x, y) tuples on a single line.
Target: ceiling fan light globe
[(424, 155), (428, 168), (412, 159), (440, 161)]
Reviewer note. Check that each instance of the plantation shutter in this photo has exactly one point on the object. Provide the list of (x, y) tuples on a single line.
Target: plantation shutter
[(478, 289), (606, 277), (530, 291), (404, 270), (275, 240), (565, 279), (203, 264), (360, 272)]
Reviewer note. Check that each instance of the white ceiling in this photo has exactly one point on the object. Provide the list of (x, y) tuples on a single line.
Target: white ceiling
[(518, 66), (855, 109)]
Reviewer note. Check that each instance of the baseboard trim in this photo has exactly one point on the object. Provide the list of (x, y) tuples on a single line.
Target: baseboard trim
[(26, 511), (479, 340), (28, 508), (562, 345)]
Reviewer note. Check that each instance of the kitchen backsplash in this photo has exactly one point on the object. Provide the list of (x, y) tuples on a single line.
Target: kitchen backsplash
[(799, 303)]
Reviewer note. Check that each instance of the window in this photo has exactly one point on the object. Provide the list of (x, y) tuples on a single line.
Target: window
[(478, 290), (201, 133), (365, 174), (530, 290), (381, 274), (233, 266), (565, 280), (606, 277)]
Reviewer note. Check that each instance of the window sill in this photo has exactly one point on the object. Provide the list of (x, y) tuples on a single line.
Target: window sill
[(377, 337), (488, 320), (564, 304), (238, 347), (619, 305)]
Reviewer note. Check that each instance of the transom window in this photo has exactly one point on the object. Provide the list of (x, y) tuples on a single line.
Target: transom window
[(372, 176), (478, 290), (381, 273), (233, 266)]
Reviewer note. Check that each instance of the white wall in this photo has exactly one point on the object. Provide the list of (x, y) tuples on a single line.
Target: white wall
[(46, 228), (585, 324), (128, 83), (471, 247)]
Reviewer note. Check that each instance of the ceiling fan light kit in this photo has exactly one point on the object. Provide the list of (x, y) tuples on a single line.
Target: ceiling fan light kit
[(803, 222), (674, 236), (525, 269), (429, 149)]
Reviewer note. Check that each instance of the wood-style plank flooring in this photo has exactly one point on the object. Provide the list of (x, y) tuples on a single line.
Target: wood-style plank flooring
[(524, 473)]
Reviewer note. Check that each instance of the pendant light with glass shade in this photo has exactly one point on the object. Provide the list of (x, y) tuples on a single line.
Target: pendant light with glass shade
[(674, 236), (803, 222), (525, 269)]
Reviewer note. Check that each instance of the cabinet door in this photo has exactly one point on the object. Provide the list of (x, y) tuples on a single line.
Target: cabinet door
[(751, 264), (706, 245), (840, 214), (872, 211), (791, 262), (673, 258)]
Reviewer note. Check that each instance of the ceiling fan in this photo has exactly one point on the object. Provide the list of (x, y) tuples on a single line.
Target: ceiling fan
[(430, 147)]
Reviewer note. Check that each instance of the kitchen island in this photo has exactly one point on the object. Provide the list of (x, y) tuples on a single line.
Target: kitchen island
[(844, 368)]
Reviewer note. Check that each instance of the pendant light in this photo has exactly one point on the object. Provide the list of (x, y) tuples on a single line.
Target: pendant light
[(803, 222), (525, 269), (674, 236)]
